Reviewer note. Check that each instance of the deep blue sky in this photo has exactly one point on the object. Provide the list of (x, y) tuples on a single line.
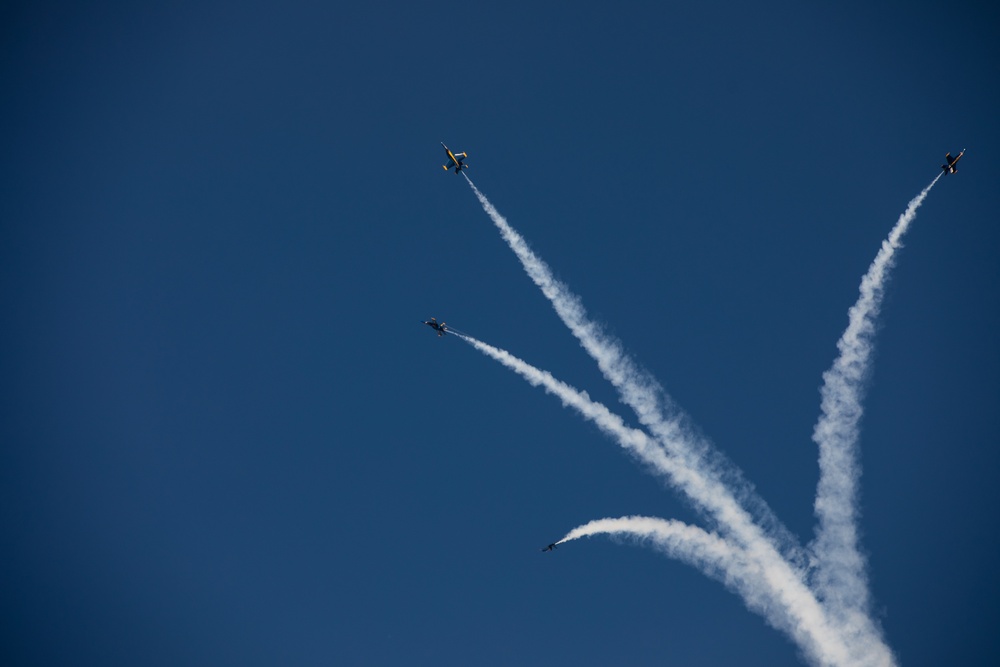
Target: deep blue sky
[(227, 440)]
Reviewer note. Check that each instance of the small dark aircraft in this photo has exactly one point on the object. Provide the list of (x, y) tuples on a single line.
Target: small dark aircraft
[(456, 160), (950, 168), (441, 328), (550, 547)]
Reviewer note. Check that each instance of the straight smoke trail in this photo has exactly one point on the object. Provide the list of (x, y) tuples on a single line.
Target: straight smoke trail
[(710, 482), (777, 590), (840, 577), (633, 440)]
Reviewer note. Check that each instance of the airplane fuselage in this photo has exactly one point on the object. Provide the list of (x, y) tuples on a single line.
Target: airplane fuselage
[(950, 167), (453, 160), (440, 327)]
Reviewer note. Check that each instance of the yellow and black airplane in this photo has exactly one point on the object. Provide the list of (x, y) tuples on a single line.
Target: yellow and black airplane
[(455, 160), (950, 168)]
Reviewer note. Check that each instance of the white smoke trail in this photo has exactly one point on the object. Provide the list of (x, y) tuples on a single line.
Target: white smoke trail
[(710, 553), (710, 482), (790, 606), (709, 492), (840, 577), (795, 611), (841, 591), (633, 440)]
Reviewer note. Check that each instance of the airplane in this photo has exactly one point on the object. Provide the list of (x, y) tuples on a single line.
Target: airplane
[(441, 328), (950, 168), (550, 547), (456, 160)]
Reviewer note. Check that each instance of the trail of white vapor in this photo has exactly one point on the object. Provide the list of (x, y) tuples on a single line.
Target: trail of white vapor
[(633, 440), (840, 578), (795, 612), (791, 605), (709, 481)]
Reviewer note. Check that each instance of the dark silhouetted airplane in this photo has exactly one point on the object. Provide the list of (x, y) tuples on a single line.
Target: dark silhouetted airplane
[(950, 168), (441, 328)]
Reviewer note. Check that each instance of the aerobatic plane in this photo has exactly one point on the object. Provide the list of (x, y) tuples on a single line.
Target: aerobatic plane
[(441, 328), (550, 547), (950, 168), (456, 160)]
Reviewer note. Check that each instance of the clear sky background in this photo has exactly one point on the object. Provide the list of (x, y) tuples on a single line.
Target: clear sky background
[(228, 440)]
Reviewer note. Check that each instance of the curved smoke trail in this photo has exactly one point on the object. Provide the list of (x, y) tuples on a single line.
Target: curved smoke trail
[(788, 607), (840, 575), (777, 590)]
